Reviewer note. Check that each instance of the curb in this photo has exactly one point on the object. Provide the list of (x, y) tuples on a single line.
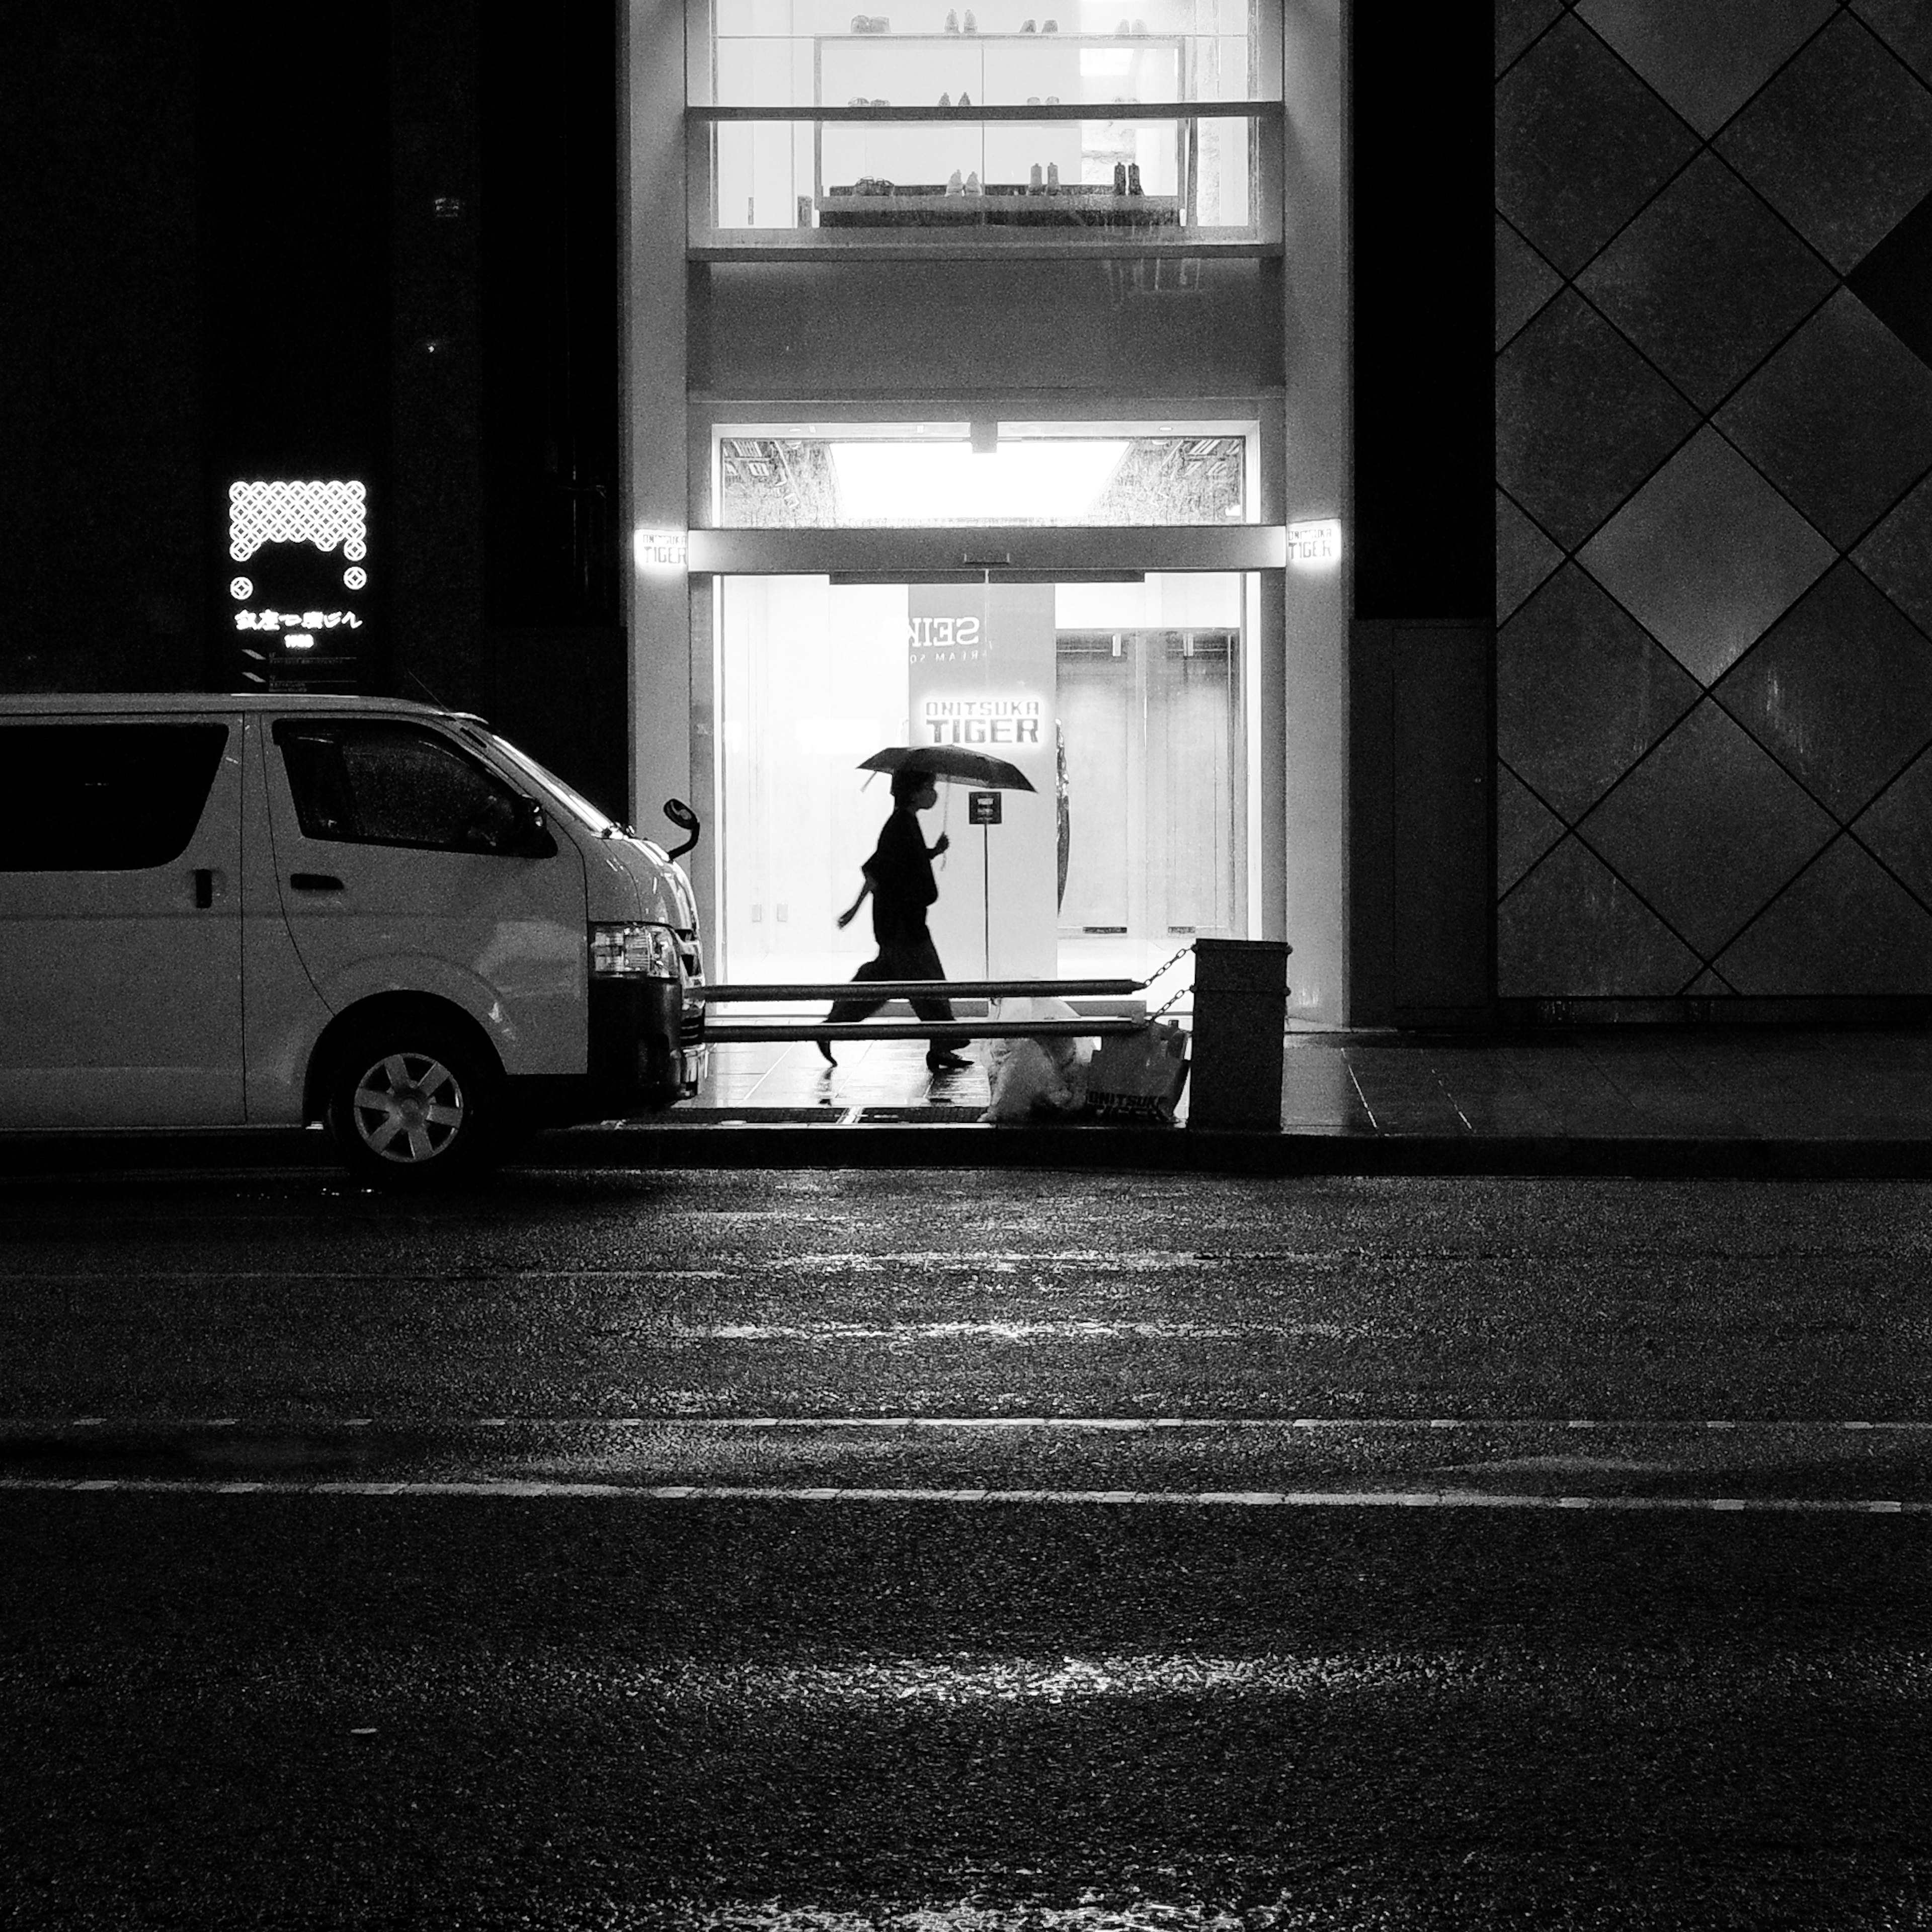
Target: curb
[(743, 1141)]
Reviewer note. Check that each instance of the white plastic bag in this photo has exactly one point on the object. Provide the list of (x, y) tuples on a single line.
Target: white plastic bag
[(1029, 1077)]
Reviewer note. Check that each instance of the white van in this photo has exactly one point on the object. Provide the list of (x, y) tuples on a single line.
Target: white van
[(273, 910)]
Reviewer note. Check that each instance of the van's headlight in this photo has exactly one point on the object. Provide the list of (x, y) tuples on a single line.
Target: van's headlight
[(629, 951)]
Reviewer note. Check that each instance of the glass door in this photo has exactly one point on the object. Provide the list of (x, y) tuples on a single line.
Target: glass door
[(1120, 704)]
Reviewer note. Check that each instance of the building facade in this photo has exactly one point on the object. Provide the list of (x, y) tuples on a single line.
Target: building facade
[(718, 390)]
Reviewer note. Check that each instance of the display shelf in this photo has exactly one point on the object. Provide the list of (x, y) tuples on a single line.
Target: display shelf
[(998, 204)]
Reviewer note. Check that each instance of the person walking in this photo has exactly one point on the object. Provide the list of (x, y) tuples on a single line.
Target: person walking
[(899, 881)]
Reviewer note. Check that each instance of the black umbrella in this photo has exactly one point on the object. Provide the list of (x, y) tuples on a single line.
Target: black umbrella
[(950, 764)]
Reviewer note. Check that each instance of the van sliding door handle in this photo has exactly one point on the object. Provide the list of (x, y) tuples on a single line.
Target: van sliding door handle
[(316, 882), (204, 888)]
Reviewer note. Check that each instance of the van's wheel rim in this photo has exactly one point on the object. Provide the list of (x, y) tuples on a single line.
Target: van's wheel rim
[(409, 1107)]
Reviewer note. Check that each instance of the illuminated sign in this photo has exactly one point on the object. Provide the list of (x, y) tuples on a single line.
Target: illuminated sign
[(306, 543), (980, 720), (659, 550), (324, 514), (1312, 545)]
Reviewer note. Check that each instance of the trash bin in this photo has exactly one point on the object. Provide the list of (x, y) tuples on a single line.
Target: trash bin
[(1240, 1011)]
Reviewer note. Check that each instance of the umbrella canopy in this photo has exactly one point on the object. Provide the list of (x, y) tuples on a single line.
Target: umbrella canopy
[(950, 764)]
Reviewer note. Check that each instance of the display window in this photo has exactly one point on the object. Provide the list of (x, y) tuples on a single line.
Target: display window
[(1006, 129), (1093, 53), (1120, 702), (906, 475)]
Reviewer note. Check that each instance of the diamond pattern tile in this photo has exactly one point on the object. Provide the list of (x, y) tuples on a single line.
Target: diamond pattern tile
[(1572, 930), (1706, 829), (1839, 692), (1897, 556), (1518, 23), (1840, 419), (1706, 281), (1582, 144), (1525, 556), (1525, 281), (1846, 927), (1707, 556), (1840, 142), (1526, 828), (1581, 693), (1710, 985), (1707, 58), (1894, 281), (1898, 826), (1582, 419), (1905, 26)]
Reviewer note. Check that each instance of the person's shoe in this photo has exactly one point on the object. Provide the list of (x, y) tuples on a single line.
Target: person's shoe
[(946, 1063), (825, 1047)]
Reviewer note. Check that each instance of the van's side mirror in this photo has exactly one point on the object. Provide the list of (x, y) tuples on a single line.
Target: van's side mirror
[(681, 815), (531, 837)]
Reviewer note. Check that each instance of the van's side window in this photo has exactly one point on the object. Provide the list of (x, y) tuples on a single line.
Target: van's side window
[(103, 798), (378, 783)]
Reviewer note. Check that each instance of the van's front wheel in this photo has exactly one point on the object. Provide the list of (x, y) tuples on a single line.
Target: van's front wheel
[(413, 1107)]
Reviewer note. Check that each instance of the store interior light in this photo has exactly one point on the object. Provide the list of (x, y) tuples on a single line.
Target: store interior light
[(1056, 480)]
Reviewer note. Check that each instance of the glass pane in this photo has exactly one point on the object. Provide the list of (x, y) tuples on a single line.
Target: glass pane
[(797, 53), (391, 784), (866, 181), (103, 798), (845, 477), (1120, 703)]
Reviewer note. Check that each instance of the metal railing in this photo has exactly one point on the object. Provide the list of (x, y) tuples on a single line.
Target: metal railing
[(1084, 1026)]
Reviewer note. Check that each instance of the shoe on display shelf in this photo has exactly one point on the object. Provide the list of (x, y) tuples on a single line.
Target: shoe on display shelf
[(1133, 178), (1028, 27), (871, 23), (1051, 27), (1120, 177), (1037, 180), (951, 21), (1052, 176), (971, 26), (973, 184), (965, 99), (946, 101), (953, 183), (1033, 100), (1053, 101), (1140, 30)]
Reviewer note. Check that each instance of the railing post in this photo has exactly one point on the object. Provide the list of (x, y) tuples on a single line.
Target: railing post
[(1241, 1009)]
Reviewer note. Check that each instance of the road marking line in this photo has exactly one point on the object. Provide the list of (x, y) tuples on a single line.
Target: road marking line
[(1113, 1424), (1421, 1499)]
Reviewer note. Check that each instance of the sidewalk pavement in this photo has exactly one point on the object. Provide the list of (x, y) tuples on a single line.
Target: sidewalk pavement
[(1712, 1101)]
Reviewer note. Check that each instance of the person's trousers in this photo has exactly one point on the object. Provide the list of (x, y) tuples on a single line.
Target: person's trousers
[(914, 959)]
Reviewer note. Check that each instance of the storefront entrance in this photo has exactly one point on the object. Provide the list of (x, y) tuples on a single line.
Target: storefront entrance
[(1121, 702)]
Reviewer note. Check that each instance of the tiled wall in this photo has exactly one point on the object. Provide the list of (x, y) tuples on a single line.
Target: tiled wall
[(1714, 429)]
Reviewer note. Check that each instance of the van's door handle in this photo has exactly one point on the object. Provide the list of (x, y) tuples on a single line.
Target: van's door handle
[(204, 888), (316, 882)]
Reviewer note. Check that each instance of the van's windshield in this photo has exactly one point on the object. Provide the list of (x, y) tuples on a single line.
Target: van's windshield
[(600, 823)]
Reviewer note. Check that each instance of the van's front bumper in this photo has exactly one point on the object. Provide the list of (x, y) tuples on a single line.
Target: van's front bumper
[(646, 1042), (646, 1051)]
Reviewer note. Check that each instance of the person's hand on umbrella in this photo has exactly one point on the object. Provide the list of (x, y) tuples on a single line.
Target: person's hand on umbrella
[(941, 843)]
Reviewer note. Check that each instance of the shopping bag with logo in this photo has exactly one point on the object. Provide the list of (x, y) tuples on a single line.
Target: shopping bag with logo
[(1139, 1075)]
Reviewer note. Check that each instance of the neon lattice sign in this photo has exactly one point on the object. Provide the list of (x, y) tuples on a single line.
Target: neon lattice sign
[(324, 514)]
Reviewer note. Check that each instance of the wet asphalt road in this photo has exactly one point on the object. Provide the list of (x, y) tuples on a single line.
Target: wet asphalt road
[(965, 1549)]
